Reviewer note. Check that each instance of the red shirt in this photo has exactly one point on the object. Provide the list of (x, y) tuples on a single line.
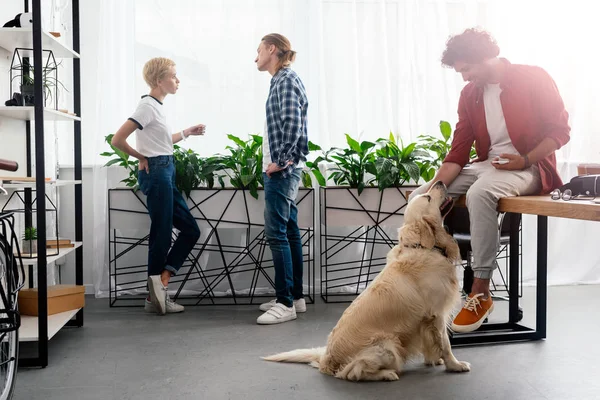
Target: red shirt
[(533, 110)]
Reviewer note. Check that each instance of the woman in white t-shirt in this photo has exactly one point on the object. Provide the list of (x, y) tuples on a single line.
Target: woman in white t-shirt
[(156, 178)]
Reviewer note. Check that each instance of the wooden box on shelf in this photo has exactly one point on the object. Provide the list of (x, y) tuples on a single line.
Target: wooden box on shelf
[(61, 298)]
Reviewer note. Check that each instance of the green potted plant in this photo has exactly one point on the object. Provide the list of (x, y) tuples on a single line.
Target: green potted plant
[(50, 83), (191, 169), (122, 159), (29, 244), (243, 164), (437, 148), (396, 164), (346, 166)]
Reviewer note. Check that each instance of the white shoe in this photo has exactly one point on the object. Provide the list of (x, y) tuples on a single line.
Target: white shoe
[(277, 314), (299, 304), (172, 307), (158, 294)]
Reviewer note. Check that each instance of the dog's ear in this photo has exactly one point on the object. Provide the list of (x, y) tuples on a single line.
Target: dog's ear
[(433, 223), (427, 235)]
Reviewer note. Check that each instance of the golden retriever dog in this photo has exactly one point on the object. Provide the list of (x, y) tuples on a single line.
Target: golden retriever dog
[(404, 312)]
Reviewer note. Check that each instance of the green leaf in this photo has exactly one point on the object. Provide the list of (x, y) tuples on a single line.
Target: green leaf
[(313, 147), (254, 191), (237, 140), (364, 146), (412, 170), (221, 181), (392, 138), (420, 154), (246, 180), (360, 187), (319, 176), (353, 144), (107, 154), (112, 162), (306, 179), (445, 129)]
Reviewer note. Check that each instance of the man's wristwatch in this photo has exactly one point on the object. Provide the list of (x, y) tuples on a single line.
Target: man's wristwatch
[(282, 164)]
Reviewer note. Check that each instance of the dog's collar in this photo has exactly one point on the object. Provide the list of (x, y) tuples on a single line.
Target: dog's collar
[(419, 246)]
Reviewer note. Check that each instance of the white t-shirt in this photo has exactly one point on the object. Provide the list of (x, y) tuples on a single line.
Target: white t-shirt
[(267, 151), (153, 136), (496, 124)]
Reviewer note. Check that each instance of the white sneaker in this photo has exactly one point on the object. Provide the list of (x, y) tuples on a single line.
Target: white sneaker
[(277, 314), (172, 307), (158, 294), (299, 304)]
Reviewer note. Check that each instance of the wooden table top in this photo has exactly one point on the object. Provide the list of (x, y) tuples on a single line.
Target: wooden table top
[(544, 205)]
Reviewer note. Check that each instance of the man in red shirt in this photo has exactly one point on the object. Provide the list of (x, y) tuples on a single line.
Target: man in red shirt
[(516, 117)]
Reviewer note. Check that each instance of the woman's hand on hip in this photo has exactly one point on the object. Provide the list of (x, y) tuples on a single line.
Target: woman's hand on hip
[(143, 165)]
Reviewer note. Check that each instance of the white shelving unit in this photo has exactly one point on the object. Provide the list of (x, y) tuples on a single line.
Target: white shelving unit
[(29, 325), (31, 43), (27, 114), (62, 252), (31, 185), (13, 38)]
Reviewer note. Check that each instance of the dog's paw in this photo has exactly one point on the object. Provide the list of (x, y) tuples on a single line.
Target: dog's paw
[(430, 363), (460, 366), (389, 375)]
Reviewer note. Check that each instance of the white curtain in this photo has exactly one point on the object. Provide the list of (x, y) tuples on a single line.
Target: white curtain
[(370, 67)]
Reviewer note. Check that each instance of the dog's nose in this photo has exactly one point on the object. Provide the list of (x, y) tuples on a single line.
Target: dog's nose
[(440, 184)]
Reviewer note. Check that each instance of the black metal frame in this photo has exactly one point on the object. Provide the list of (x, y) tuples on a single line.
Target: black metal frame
[(512, 331), (42, 358), (249, 257), (9, 246), (371, 236), (23, 68), (51, 208)]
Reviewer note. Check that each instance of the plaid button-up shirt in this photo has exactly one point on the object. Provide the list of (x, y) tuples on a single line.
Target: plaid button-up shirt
[(286, 107)]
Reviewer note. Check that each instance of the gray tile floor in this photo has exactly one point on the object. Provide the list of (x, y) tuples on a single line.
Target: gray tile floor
[(213, 353)]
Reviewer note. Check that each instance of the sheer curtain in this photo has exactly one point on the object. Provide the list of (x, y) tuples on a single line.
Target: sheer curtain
[(370, 67)]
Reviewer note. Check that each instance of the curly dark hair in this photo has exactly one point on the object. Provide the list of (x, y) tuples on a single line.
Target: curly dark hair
[(472, 46)]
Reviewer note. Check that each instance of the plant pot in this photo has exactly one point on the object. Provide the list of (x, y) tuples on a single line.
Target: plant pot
[(28, 93), (29, 247)]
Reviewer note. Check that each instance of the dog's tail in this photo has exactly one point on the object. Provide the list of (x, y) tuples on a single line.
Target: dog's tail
[(305, 356)]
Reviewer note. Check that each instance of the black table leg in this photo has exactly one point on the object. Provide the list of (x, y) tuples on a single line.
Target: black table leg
[(542, 277)]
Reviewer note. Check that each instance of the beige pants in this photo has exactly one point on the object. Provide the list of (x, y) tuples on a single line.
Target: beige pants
[(484, 186)]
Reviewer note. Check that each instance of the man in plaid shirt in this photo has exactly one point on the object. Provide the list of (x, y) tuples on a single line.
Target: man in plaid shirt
[(285, 146), (286, 121)]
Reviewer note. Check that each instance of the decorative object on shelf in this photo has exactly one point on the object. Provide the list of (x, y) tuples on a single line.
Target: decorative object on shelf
[(61, 298), (20, 21), (29, 249), (59, 243), (29, 244), (16, 100), (22, 69)]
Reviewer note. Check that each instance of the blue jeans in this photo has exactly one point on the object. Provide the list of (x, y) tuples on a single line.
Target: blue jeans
[(283, 234), (167, 209)]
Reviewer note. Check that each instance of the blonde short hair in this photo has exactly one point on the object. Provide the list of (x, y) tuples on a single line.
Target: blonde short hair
[(156, 69)]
